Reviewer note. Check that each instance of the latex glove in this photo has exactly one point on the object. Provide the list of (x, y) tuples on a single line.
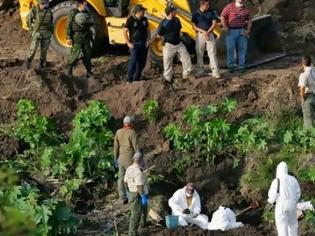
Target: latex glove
[(268, 207), (144, 200), (186, 211)]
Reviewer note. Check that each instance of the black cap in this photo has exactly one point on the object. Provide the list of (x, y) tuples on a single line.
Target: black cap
[(138, 8), (169, 9)]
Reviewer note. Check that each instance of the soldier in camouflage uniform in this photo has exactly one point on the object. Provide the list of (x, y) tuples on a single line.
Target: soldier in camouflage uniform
[(40, 23), (79, 36)]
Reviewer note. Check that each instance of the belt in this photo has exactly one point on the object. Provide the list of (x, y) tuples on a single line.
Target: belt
[(237, 27)]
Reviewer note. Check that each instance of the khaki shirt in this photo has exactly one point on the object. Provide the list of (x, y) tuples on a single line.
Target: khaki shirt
[(307, 80), (125, 145), (134, 177)]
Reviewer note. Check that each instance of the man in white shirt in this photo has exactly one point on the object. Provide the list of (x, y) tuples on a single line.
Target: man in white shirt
[(307, 92)]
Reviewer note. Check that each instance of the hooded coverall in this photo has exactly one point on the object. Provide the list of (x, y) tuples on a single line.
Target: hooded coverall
[(178, 203), (285, 191), (224, 219)]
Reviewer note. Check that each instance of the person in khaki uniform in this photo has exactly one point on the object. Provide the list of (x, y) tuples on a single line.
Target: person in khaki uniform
[(307, 92), (125, 146), (136, 182), (169, 32), (204, 22)]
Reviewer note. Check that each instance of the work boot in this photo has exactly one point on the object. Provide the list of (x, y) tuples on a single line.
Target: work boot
[(89, 75), (216, 75), (42, 64), (231, 69), (28, 64), (69, 71)]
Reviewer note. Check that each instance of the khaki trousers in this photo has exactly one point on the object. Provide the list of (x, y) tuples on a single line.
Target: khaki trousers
[(308, 108), (169, 52), (203, 43)]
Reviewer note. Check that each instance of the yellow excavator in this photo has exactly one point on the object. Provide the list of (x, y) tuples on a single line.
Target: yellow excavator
[(111, 15)]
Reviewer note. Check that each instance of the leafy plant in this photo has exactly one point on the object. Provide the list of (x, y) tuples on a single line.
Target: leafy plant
[(151, 110), (32, 128), (23, 210), (87, 153)]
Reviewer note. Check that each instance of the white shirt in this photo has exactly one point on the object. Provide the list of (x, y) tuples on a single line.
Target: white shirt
[(307, 80), (134, 177)]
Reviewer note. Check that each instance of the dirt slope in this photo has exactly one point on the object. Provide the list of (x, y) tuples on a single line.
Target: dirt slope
[(271, 88)]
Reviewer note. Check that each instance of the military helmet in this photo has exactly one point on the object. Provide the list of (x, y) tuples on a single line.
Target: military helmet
[(81, 18)]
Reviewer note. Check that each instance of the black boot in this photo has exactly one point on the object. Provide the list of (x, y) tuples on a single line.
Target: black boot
[(42, 64), (69, 71), (28, 63), (89, 75)]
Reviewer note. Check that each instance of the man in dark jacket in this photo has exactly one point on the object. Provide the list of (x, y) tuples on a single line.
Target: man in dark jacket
[(137, 36)]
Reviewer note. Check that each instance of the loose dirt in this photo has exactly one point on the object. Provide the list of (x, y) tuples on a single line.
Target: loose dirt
[(267, 89)]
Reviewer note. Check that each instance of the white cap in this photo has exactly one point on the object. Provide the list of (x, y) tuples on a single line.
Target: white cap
[(128, 120)]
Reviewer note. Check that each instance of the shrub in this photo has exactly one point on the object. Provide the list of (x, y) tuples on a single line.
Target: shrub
[(151, 111)]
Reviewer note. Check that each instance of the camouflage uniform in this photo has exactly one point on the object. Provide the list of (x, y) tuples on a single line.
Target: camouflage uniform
[(81, 37), (40, 22)]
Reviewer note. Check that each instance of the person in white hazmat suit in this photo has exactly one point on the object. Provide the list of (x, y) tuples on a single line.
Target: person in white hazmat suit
[(224, 219), (285, 192), (185, 203)]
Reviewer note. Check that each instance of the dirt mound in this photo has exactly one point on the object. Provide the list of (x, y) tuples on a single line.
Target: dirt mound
[(271, 88)]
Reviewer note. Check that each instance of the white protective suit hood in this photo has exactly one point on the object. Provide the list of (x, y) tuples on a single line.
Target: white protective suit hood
[(282, 169), (224, 219), (285, 192)]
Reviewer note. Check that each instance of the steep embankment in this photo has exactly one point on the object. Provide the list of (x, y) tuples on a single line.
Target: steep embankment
[(268, 89)]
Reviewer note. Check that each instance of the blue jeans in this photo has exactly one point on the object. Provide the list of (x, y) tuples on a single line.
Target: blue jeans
[(235, 39), (138, 58)]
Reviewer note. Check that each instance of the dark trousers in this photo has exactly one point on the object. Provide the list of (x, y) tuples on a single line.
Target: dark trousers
[(138, 58)]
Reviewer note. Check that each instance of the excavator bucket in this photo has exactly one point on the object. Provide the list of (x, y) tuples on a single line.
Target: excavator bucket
[(264, 44)]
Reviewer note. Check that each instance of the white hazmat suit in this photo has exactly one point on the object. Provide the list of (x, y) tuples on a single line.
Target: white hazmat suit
[(178, 203), (285, 192), (224, 219)]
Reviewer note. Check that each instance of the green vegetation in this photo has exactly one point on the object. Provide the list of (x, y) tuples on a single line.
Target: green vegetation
[(85, 154), (24, 211), (67, 160), (151, 111), (206, 132)]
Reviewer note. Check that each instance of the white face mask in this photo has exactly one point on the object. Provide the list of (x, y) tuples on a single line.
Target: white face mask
[(238, 4)]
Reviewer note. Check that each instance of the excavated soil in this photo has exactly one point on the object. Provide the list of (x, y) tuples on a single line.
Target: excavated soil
[(267, 89)]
